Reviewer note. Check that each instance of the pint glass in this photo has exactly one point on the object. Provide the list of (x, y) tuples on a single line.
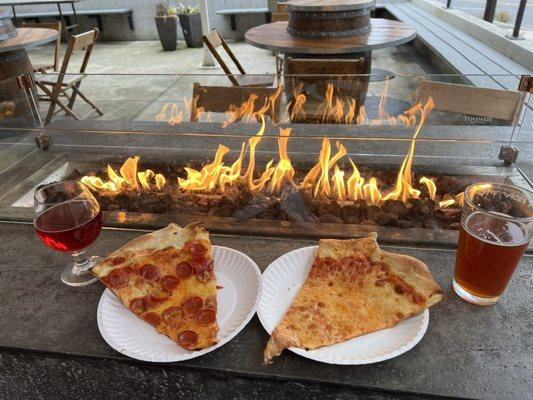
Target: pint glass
[(496, 227)]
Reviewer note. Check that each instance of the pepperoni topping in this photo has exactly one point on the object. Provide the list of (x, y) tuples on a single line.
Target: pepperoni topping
[(150, 272), (192, 305), (204, 276), (207, 317), (203, 264), (152, 318), (161, 295), (184, 269), (172, 313), (137, 305), (169, 282), (118, 260), (197, 249), (149, 301), (118, 279), (187, 339)]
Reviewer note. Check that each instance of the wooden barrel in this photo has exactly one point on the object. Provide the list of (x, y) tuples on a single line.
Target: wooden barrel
[(7, 30), (329, 18)]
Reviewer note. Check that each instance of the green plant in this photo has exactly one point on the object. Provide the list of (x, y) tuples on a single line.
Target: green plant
[(164, 9), (503, 16), (188, 10)]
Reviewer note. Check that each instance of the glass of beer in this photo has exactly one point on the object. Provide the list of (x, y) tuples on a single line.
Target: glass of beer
[(496, 227)]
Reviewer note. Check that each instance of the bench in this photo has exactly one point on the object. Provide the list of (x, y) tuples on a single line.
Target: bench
[(460, 51), (93, 14), (233, 12)]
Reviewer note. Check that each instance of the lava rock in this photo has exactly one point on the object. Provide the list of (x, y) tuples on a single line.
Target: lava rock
[(330, 218), (372, 213), (386, 218), (402, 223), (447, 184), (395, 207), (454, 225), (350, 214)]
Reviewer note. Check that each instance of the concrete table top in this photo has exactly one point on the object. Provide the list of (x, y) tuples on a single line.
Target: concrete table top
[(50, 346)]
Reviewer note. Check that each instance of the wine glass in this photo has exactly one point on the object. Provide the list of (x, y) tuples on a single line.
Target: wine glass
[(68, 218)]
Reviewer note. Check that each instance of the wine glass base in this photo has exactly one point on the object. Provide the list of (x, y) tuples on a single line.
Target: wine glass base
[(74, 276), (471, 298)]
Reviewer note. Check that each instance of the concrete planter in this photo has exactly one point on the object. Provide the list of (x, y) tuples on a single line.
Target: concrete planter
[(192, 29), (167, 29)]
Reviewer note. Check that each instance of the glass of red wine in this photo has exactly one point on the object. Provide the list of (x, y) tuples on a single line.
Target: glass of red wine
[(68, 218)]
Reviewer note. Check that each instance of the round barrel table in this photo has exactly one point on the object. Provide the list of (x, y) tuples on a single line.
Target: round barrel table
[(383, 33), (14, 59)]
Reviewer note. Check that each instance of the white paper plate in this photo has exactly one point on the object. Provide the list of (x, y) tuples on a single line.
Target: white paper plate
[(240, 279), (280, 283)]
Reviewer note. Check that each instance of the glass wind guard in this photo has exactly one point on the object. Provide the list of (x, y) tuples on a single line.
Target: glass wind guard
[(313, 155)]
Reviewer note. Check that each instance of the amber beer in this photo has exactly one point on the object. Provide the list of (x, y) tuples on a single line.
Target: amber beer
[(491, 244)]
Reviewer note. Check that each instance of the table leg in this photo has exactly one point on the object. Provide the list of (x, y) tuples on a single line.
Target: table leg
[(62, 19), (15, 22), (75, 18)]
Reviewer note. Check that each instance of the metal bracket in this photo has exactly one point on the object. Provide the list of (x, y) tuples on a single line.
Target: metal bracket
[(508, 154), (26, 82), (526, 84), (44, 141)]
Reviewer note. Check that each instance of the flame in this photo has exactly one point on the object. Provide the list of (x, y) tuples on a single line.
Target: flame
[(432, 189), (371, 192), (403, 188), (326, 178), (338, 184), (284, 171), (207, 178), (456, 200), (355, 183)]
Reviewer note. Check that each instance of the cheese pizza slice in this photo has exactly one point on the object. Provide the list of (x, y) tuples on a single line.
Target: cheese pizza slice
[(353, 288), (167, 278)]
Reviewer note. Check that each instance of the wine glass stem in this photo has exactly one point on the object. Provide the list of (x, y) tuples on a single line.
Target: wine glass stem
[(81, 262)]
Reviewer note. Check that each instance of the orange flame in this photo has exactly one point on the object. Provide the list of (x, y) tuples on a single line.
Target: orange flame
[(403, 188), (432, 189), (284, 171), (326, 177)]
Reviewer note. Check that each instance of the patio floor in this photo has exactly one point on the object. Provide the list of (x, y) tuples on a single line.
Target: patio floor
[(141, 96)]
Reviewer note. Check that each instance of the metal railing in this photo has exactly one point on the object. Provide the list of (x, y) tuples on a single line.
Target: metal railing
[(490, 10)]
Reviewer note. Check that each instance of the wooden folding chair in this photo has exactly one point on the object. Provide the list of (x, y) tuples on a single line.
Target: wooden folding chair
[(477, 101), (219, 99), (312, 77), (48, 25), (281, 7), (67, 86), (213, 41)]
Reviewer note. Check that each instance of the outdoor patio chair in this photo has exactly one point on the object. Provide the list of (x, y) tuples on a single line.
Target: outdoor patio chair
[(281, 7), (312, 77), (48, 25), (219, 99), (213, 41), (67, 86), (477, 101)]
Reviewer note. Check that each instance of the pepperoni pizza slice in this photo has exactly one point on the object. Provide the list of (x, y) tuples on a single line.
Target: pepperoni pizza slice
[(167, 278), (353, 288)]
